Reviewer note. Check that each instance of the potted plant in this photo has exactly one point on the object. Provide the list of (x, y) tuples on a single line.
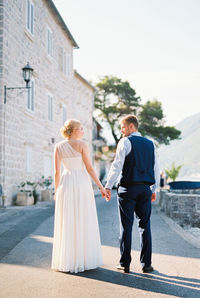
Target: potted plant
[(174, 171), (25, 194), (46, 193)]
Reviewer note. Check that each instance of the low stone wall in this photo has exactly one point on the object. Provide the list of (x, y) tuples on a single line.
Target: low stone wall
[(181, 205)]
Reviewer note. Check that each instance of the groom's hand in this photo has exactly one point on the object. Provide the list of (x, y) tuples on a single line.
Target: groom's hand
[(108, 196), (153, 197), (103, 192)]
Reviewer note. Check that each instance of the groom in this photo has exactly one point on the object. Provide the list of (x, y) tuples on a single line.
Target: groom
[(136, 161)]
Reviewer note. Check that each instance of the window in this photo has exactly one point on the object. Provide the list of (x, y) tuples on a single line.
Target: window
[(48, 166), (67, 64), (31, 96), (64, 109), (61, 59), (50, 107), (50, 42), (64, 61), (28, 159), (30, 16)]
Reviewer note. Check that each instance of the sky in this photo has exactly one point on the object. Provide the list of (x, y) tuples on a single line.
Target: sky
[(153, 44)]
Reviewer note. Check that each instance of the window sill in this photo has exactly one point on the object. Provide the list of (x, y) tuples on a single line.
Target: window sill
[(49, 58), (29, 113), (65, 76), (49, 122), (29, 35)]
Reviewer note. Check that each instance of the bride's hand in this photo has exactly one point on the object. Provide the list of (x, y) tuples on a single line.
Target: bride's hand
[(108, 194), (103, 192)]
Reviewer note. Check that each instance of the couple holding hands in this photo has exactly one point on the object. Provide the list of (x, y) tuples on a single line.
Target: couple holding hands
[(76, 242)]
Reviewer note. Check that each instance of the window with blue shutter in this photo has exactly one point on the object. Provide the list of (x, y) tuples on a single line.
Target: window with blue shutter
[(64, 113), (50, 107), (28, 159), (31, 96), (50, 42), (30, 16)]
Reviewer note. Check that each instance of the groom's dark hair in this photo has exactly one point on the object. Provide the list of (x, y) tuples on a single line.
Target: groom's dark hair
[(131, 119)]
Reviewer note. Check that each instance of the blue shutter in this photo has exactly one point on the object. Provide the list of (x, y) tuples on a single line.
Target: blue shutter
[(64, 114), (50, 108), (29, 98), (32, 17), (32, 96), (28, 14), (29, 159)]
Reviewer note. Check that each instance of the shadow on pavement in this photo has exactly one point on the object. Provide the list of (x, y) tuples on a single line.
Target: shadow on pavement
[(155, 282), (183, 280)]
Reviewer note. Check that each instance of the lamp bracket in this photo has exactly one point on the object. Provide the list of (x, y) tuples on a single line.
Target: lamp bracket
[(12, 88)]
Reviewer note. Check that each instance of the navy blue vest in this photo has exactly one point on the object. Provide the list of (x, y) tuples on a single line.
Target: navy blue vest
[(139, 163)]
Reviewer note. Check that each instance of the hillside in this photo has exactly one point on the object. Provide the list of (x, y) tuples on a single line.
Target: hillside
[(185, 151)]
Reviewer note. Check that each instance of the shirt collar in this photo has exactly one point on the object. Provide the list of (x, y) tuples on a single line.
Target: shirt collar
[(137, 133)]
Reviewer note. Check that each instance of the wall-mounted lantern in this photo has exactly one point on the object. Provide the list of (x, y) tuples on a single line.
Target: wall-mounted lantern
[(27, 72)]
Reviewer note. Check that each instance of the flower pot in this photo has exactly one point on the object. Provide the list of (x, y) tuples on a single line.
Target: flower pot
[(46, 195), (24, 199)]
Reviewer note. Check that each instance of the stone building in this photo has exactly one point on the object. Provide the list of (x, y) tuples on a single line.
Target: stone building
[(30, 121)]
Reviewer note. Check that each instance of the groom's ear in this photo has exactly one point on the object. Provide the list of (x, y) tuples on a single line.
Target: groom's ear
[(132, 126)]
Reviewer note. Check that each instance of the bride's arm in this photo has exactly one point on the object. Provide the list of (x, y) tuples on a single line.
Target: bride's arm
[(90, 169), (57, 165)]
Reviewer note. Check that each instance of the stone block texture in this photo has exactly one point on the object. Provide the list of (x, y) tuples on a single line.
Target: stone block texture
[(182, 206), (27, 138)]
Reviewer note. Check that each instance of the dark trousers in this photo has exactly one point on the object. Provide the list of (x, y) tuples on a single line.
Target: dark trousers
[(135, 198)]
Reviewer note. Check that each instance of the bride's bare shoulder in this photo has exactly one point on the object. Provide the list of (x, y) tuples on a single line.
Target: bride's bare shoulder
[(83, 144), (59, 143)]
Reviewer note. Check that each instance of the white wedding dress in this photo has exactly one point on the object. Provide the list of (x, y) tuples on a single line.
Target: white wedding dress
[(76, 242)]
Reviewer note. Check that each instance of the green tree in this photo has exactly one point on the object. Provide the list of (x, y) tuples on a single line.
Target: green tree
[(174, 171), (116, 98), (151, 121)]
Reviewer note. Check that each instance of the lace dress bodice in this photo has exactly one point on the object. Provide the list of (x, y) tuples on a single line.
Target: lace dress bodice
[(71, 159)]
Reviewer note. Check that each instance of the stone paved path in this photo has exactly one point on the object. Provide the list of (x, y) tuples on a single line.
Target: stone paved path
[(25, 257)]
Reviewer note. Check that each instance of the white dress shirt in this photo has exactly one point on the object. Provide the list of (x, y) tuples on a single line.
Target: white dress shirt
[(123, 149)]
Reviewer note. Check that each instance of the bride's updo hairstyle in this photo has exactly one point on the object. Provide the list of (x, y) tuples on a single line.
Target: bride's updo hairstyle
[(68, 127)]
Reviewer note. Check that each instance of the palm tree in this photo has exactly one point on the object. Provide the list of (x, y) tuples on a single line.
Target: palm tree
[(174, 171)]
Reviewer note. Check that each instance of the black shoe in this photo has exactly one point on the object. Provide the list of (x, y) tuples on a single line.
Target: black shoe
[(148, 269), (125, 269)]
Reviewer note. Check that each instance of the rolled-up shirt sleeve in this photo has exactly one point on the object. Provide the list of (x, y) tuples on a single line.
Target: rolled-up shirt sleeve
[(118, 163)]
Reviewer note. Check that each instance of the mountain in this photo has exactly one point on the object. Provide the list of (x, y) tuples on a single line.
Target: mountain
[(185, 151)]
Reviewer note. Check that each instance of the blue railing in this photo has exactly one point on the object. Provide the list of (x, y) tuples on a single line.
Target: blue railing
[(184, 185)]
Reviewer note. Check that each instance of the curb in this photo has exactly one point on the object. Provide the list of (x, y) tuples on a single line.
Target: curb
[(178, 229)]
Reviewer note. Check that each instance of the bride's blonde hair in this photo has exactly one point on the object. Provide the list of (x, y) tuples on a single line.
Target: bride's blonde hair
[(68, 127)]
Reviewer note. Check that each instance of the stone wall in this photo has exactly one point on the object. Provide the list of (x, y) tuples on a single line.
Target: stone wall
[(83, 106), (183, 206), (1, 88), (22, 129)]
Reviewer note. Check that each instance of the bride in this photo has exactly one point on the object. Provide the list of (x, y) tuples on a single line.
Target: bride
[(76, 242)]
